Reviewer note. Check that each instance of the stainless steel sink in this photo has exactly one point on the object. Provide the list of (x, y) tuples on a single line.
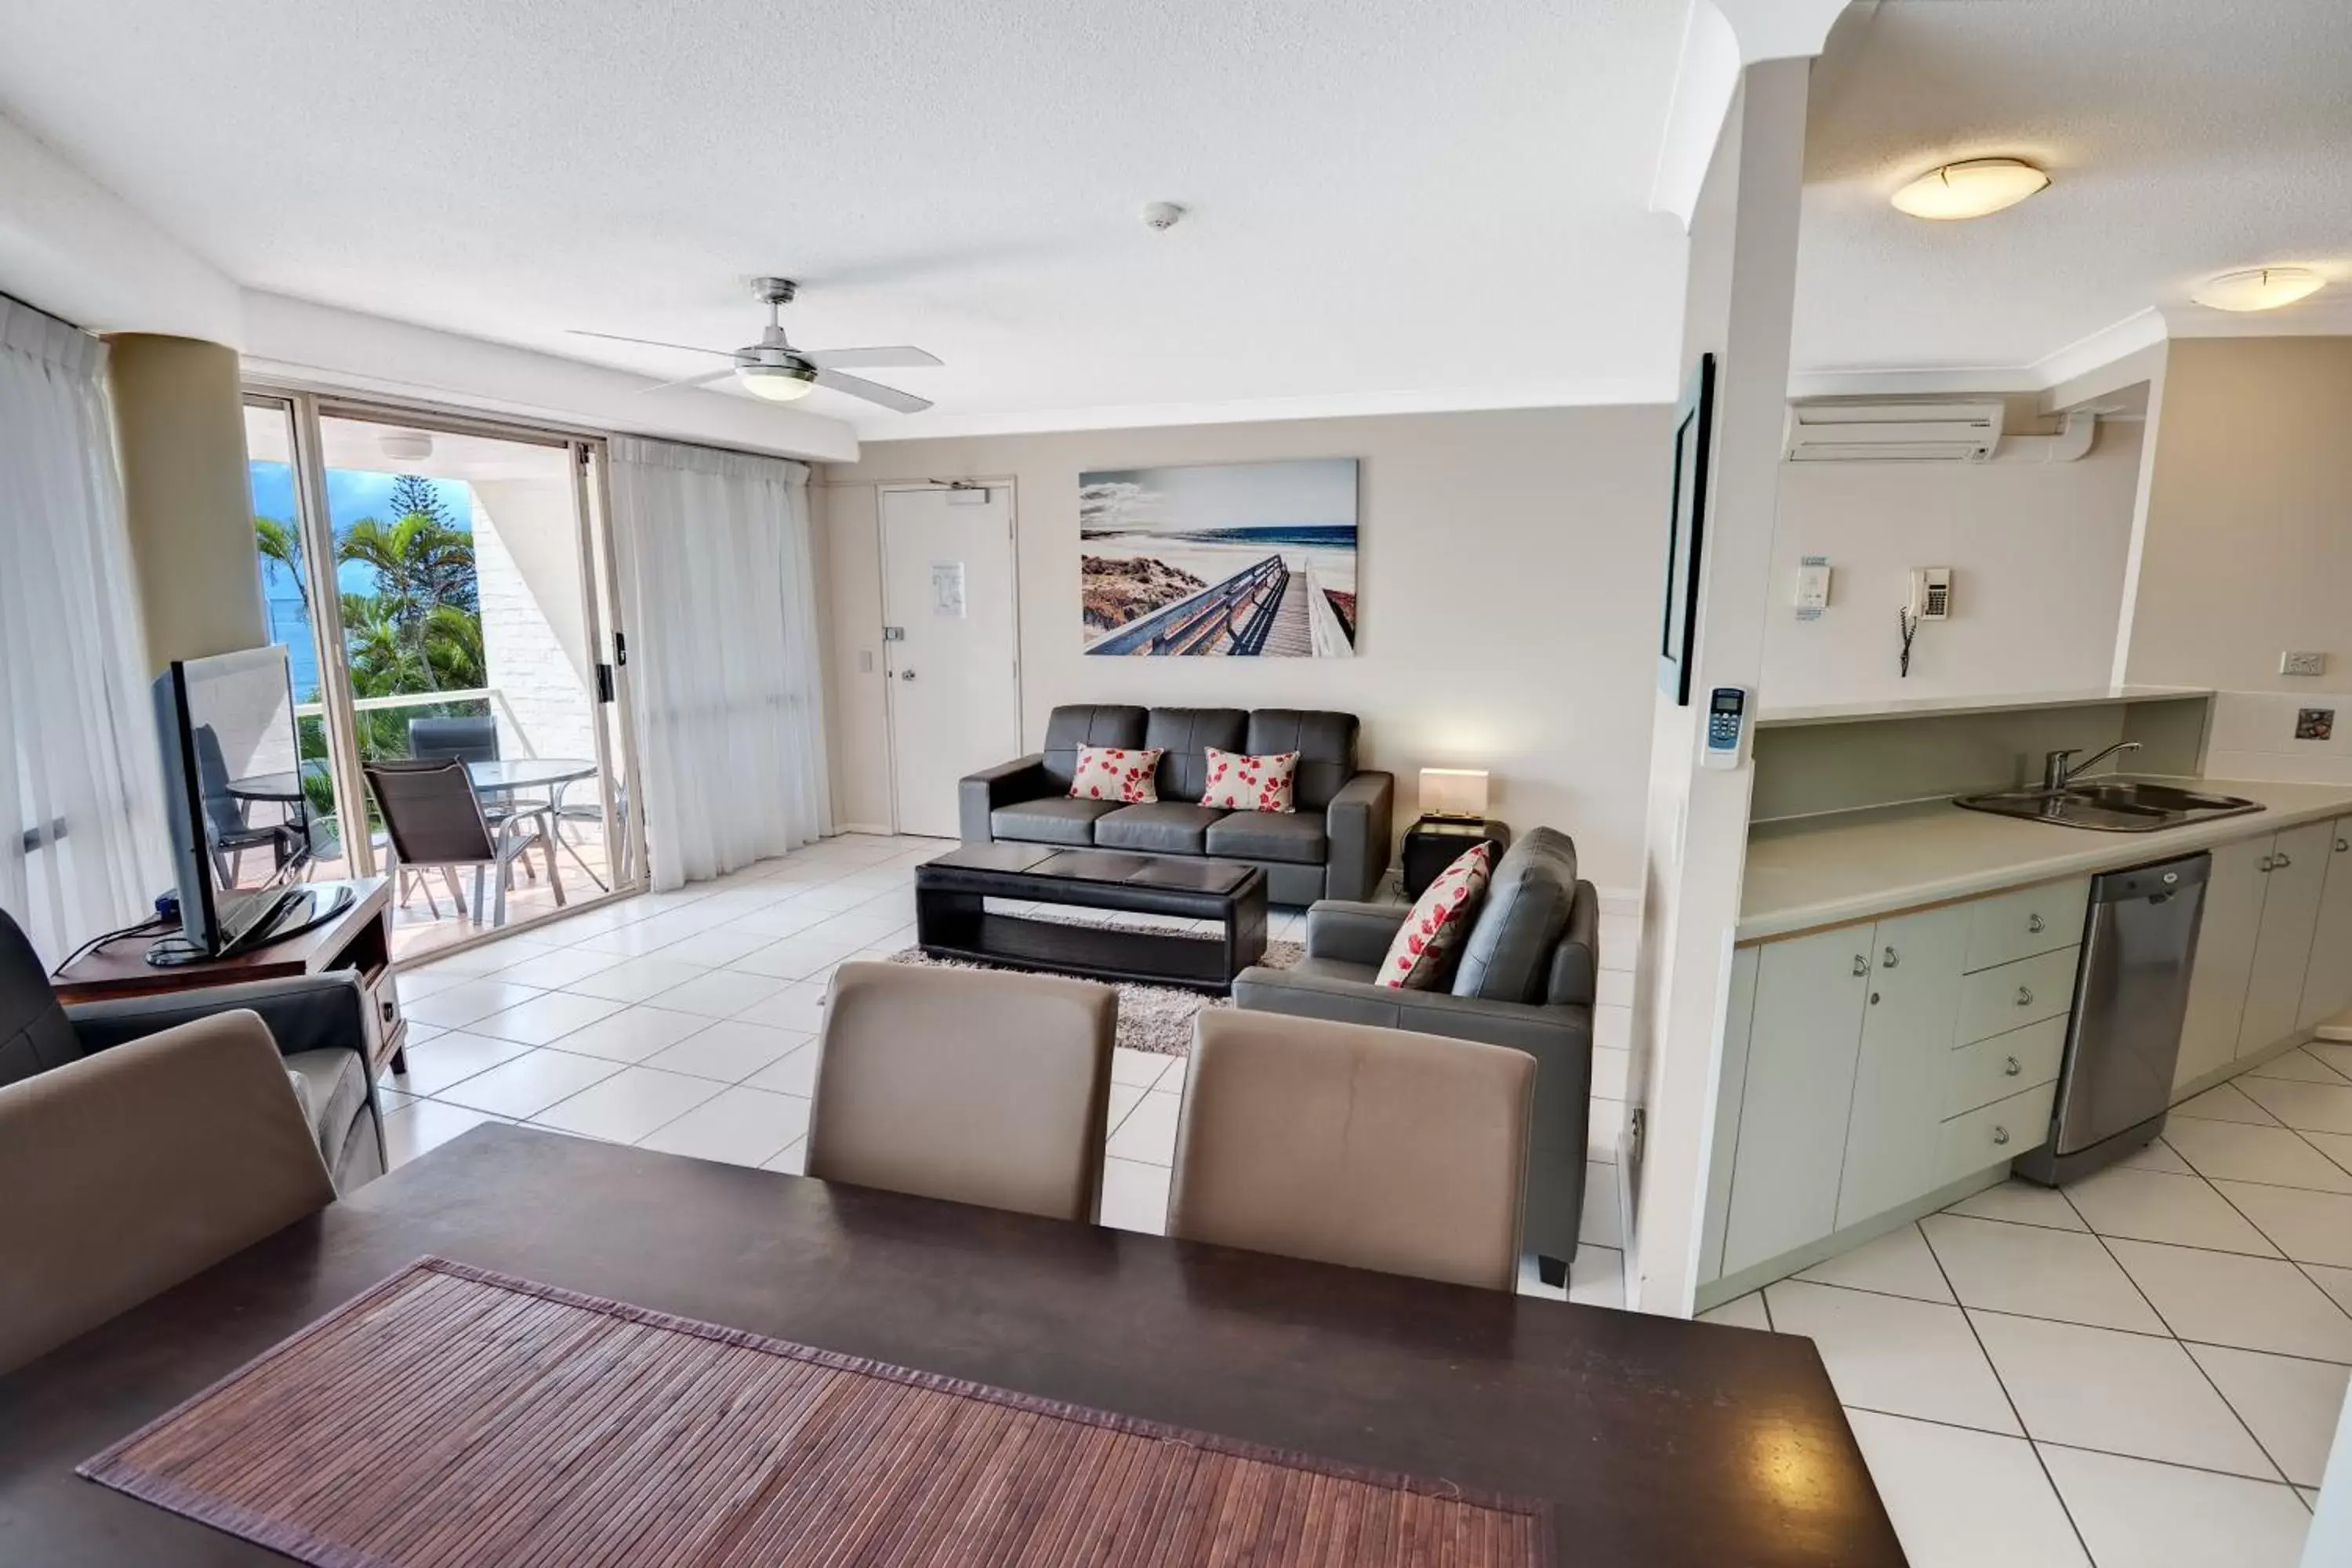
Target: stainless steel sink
[(2111, 805)]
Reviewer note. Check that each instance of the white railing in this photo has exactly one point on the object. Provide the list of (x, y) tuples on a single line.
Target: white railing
[(490, 694)]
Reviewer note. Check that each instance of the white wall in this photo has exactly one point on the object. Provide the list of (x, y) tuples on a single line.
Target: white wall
[(534, 635), (2246, 549), (1508, 583), (2037, 552)]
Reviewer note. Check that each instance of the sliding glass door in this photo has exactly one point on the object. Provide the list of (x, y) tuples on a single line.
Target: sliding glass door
[(441, 586)]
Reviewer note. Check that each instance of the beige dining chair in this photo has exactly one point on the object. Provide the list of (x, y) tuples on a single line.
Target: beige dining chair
[(1345, 1143), (976, 1086), (141, 1165)]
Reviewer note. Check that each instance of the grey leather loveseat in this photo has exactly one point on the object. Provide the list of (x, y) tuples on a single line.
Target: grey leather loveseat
[(1334, 844), (1526, 980)]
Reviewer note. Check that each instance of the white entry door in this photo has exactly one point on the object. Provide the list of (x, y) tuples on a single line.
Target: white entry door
[(950, 649)]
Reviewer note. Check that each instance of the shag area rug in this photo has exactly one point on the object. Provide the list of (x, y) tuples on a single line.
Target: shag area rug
[(1157, 1018)]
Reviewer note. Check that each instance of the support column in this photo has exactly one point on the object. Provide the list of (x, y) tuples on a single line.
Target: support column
[(1738, 306), (179, 420)]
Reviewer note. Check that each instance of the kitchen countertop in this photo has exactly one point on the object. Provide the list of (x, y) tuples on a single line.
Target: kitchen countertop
[(1825, 870)]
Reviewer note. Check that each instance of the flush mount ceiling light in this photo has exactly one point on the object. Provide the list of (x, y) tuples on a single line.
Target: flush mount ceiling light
[(2258, 289), (406, 446), (1971, 189)]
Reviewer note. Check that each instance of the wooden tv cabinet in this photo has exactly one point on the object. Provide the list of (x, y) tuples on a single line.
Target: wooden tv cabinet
[(360, 939)]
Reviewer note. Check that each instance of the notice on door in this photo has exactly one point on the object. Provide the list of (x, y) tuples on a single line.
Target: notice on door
[(947, 589)]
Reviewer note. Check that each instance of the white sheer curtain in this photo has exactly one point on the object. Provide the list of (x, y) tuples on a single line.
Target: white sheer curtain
[(722, 655), (82, 825)]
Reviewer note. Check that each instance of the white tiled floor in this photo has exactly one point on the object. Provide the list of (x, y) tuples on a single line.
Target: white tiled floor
[(2143, 1369), (686, 1022)]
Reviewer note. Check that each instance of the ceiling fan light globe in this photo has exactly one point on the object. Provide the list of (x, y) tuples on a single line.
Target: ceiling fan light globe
[(776, 383), (1974, 188)]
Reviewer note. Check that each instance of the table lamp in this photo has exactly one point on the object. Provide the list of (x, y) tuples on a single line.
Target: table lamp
[(1458, 792)]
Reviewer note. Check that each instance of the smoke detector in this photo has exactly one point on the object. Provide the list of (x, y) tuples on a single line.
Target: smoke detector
[(1161, 216)]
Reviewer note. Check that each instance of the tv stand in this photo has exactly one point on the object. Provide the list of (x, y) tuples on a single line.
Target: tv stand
[(357, 938)]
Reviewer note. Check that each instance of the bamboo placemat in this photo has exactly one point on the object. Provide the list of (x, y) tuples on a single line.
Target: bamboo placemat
[(453, 1415)]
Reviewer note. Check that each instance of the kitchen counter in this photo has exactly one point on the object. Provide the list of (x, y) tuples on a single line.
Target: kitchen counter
[(1934, 707), (1807, 872)]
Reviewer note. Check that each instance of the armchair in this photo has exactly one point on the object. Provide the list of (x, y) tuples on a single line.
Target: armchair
[(1526, 980), (319, 1022)]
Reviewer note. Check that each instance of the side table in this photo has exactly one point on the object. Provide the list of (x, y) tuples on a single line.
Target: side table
[(1434, 843)]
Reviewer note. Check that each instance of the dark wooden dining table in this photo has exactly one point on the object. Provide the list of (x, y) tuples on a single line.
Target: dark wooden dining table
[(1658, 1442)]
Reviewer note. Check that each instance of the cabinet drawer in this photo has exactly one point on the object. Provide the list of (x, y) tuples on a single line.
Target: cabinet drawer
[(2004, 1065), (2028, 922), (1994, 1133), (1995, 1001)]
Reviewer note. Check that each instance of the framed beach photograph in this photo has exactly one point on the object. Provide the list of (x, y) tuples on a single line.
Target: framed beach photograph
[(1244, 559)]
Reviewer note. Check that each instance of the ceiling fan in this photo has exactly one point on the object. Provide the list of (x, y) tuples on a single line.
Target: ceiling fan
[(773, 369)]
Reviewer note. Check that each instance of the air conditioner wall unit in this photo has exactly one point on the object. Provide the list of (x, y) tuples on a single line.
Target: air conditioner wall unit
[(1881, 431)]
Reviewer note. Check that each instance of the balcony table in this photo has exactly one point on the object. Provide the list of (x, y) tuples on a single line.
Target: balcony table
[(1657, 1441)]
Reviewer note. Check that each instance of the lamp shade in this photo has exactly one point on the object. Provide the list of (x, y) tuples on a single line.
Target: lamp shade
[(1454, 792)]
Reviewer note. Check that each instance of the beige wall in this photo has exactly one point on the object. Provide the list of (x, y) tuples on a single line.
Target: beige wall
[(1508, 581), (2037, 552), (2246, 549), (179, 418)]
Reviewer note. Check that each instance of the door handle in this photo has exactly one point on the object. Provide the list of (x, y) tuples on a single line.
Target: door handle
[(2013, 1068), (1893, 958), (2024, 996)]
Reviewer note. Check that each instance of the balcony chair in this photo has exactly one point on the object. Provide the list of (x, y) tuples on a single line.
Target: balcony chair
[(434, 818), (228, 830)]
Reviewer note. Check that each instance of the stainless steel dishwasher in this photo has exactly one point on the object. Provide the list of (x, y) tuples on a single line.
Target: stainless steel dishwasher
[(2140, 940)]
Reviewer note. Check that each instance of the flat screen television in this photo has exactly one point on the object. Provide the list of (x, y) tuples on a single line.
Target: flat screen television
[(232, 787)]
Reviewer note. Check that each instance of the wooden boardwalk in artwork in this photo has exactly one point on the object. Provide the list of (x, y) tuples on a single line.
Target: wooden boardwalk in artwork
[(1261, 609)]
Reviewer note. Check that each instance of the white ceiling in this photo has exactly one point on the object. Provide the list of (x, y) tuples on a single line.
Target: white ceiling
[(2183, 138), (1393, 201)]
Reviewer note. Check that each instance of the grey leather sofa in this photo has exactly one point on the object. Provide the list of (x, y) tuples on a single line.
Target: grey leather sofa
[(1335, 845), (1526, 980), (319, 1021)]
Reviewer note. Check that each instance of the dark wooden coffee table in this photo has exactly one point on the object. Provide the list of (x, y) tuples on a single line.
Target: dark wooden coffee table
[(1658, 1443), (952, 919)]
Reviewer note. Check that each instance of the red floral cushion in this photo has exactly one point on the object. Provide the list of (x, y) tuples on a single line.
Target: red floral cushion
[(1441, 917), (1241, 783), (1117, 773)]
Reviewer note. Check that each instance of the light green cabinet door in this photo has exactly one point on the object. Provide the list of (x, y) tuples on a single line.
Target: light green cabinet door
[(1908, 1024), (1804, 1035), (2297, 876), (2225, 958), (2327, 982)]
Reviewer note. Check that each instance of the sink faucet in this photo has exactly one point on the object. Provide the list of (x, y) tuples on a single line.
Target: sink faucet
[(2059, 768)]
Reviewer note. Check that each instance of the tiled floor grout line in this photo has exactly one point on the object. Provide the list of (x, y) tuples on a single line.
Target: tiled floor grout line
[(2244, 1424), (2037, 1444), (2003, 1384), (2300, 1266)]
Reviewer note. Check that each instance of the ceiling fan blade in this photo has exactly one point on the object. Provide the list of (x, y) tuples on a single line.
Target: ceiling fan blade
[(692, 381), (648, 342), (904, 356), (873, 392)]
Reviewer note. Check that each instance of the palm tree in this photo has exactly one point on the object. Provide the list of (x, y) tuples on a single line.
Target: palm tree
[(423, 567), (276, 540)]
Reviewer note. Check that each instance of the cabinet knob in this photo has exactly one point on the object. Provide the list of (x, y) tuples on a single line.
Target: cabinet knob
[(2024, 996), (2267, 863), (1873, 998), (2036, 924), (2281, 862), (2014, 1067), (2342, 845), (2000, 1134), (1893, 958), (1861, 964)]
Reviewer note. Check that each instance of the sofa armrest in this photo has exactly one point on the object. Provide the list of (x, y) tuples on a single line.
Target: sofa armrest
[(1358, 825), (1576, 959), (304, 1012), (978, 794), (1351, 933)]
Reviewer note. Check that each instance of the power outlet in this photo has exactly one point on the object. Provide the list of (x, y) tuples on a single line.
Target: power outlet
[(2294, 663)]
